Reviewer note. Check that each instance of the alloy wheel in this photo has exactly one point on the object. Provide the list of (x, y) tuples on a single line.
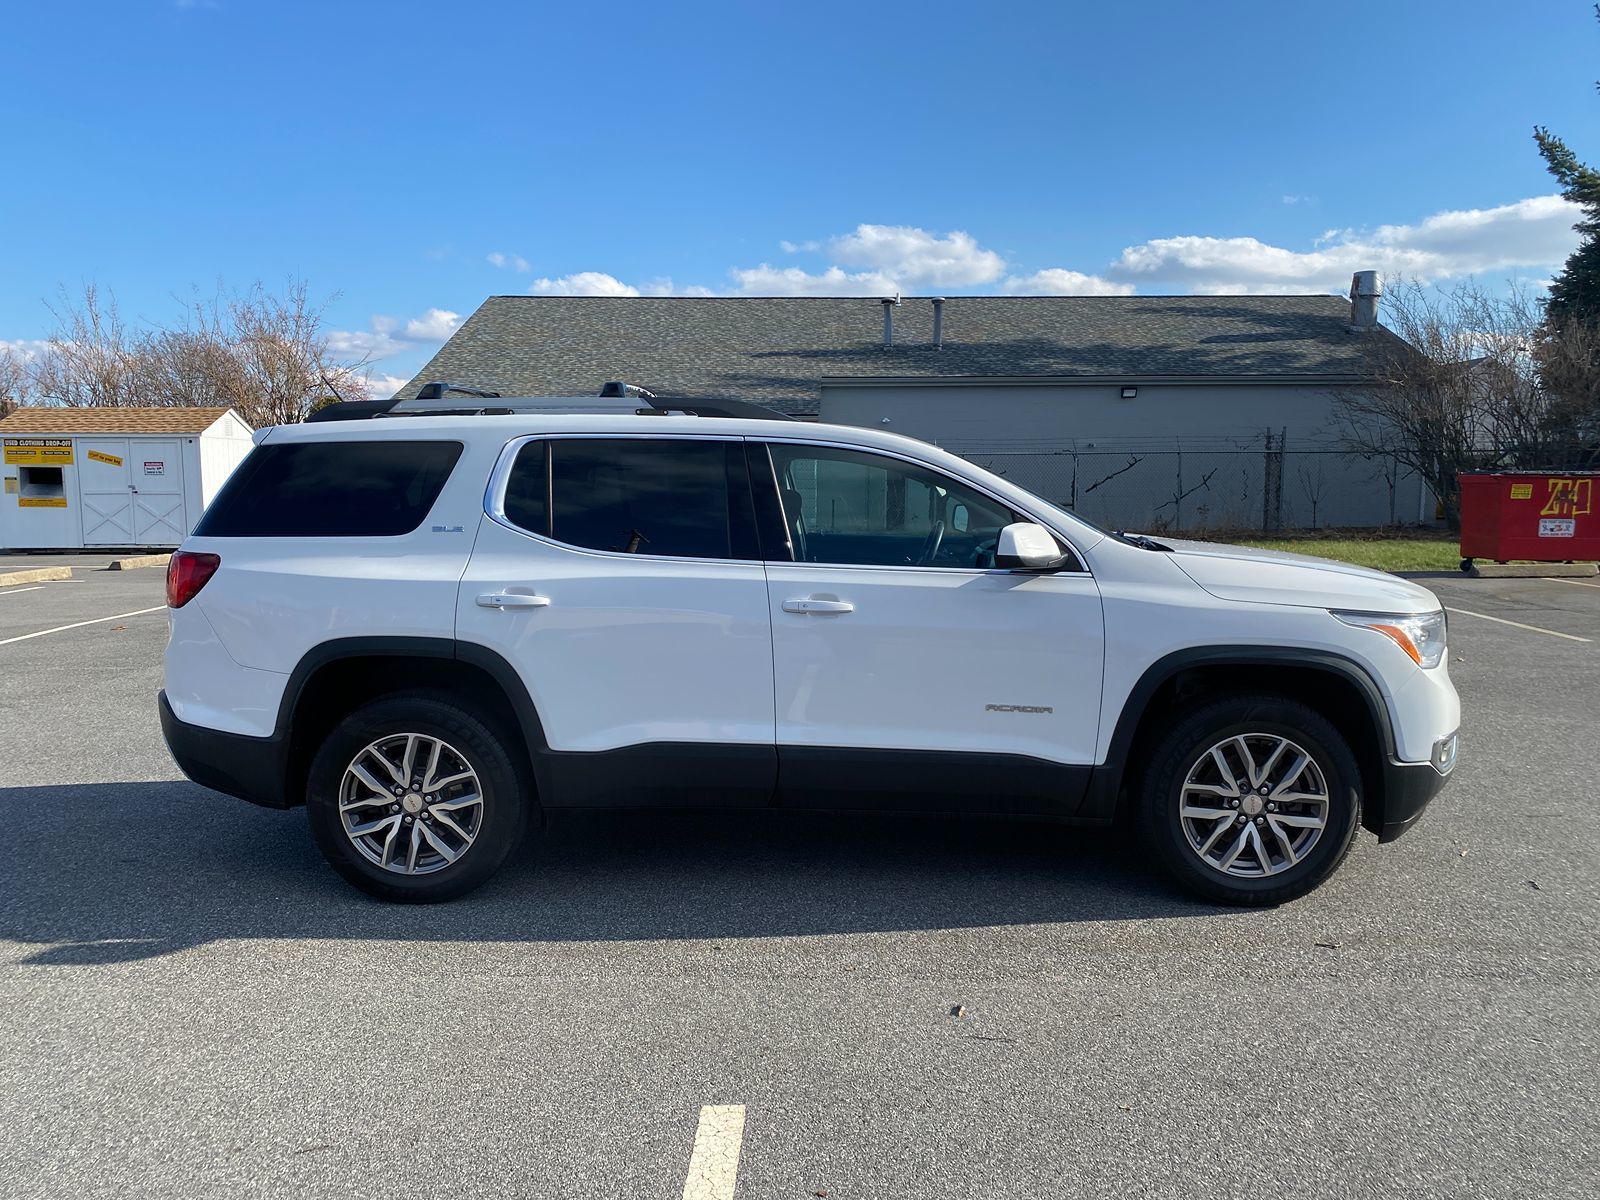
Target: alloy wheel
[(411, 803), (1254, 805)]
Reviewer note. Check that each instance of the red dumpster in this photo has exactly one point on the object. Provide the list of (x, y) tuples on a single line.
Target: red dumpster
[(1529, 515)]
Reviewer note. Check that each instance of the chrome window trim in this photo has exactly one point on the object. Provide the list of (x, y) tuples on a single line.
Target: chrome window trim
[(494, 504)]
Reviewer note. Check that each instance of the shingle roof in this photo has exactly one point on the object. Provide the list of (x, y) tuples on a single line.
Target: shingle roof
[(110, 420), (775, 350)]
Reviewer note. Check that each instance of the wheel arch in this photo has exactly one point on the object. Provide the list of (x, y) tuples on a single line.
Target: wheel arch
[(337, 675), (1337, 687)]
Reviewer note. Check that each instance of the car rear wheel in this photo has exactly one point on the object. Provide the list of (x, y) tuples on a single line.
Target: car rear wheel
[(1251, 800), (416, 799)]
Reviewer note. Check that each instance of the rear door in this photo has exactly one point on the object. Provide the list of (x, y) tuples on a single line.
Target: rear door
[(908, 672), (620, 576)]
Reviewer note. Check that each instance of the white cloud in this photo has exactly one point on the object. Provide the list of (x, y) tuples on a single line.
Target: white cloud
[(387, 336), (767, 280), (1532, 233), (662, 285), (433, 326), (583, 283), (914, 257), (880, 260), (1057, 281), (365, 343), (514, 262), (25, 349), (383, 386)]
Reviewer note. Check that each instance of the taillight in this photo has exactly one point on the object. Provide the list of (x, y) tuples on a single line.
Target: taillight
[(187, 573)]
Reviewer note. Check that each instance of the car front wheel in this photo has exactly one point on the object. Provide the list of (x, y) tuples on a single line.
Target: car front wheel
[(414, 799), (1251, 800)]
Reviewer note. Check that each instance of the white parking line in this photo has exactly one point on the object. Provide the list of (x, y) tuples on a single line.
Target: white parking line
[(80, 624), (1467, 612), (714, 1163), (38, 587), (1576, 583)]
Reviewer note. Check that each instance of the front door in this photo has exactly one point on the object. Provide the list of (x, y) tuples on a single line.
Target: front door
[(908, 671), (620, 577)]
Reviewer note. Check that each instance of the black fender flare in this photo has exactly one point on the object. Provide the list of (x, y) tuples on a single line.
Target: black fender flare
[(1100, 802), (473, 654)]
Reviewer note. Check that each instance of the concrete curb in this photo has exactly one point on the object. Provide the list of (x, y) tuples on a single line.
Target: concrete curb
[(138, 560), (35, 575), (1575, 570)]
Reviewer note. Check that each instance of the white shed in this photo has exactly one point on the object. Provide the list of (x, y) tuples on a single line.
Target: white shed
[(90, 477)]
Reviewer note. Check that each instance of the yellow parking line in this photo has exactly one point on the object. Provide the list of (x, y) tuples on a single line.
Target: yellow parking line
[(714, 1163), (1467, 612), (80, 624)]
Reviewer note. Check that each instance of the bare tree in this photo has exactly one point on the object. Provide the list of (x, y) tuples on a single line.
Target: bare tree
[(91, 359), (1455, 383), (281, 367), (1314, 483), (15, 380), (264, 354)]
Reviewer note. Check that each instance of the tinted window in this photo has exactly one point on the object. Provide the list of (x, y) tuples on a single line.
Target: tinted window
[(685, 498), (527, 500), (853, 508), (331, 489)]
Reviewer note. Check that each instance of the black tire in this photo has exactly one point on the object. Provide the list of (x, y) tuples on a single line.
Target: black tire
[(476, 742), (1191, 739)]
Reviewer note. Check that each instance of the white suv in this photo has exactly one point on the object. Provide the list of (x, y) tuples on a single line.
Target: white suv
[(430, 629)]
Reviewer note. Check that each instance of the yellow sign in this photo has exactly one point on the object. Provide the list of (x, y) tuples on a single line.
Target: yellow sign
[(1569, 498), (102, 456), (38, 452), (11, 485), (41, 501), (1519, 491)]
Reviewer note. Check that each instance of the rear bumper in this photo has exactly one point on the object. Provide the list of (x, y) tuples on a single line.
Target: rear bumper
[(247, 767), (1408, 788)]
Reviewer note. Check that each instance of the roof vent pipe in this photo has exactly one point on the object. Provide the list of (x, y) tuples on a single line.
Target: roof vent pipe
[(889, 303), (938, 322), (1364, 296)]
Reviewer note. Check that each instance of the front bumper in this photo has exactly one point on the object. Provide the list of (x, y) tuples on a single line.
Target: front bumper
[(1407, 790), (247, 767)]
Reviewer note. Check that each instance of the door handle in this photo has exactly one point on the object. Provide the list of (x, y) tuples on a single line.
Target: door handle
[(809, 605), (504, 600)]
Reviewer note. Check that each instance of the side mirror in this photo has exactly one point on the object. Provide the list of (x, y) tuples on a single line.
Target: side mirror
[(1028, 547)]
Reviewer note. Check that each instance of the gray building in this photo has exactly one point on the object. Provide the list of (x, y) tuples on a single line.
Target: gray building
[(1180, 412)]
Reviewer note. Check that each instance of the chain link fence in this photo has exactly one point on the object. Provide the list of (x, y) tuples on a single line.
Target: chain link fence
[(1211, 485)]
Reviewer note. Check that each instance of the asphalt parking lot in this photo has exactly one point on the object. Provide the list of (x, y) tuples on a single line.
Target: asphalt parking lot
[(191, 1003)]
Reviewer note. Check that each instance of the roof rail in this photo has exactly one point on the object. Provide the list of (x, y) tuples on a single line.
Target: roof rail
[(616, 398)]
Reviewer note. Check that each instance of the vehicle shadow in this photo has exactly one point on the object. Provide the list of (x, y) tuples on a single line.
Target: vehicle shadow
[(118, 872)]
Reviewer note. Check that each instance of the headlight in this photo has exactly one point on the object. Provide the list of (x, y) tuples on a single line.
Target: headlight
[(1420, 635)]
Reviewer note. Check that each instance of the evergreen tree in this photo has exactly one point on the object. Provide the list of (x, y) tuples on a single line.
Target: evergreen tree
[(1575, 293)]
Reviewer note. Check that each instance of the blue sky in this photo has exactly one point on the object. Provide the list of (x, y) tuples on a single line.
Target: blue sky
[(385, 151)]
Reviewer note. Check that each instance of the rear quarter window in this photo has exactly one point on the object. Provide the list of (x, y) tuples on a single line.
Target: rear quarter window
[(331, 489)]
